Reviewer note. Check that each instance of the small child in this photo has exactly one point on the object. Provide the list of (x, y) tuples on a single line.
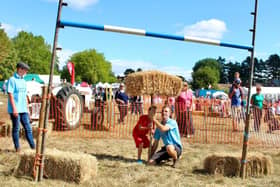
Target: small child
[(237, 77), (141, 130)]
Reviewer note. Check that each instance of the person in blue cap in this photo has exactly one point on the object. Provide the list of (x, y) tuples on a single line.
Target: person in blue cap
[(18, 105)]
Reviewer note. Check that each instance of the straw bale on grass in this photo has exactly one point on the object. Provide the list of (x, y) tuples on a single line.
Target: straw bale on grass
[(66, 166), (5, 129), (152, 82), (257, 165)]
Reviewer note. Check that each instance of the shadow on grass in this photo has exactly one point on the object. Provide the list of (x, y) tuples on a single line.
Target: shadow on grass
[(95, 127), (200, 171), (113, 157)]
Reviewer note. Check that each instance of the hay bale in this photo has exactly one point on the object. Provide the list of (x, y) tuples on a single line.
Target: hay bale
[(152, 82), (5, 129), (220, 165), (66, 166), (257, 165)]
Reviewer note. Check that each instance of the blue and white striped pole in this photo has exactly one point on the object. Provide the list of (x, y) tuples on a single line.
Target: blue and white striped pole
[(142, 32)]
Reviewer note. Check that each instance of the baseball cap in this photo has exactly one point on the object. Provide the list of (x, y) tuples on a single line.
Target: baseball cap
[(22, 65), (237, 81), (122, 84)]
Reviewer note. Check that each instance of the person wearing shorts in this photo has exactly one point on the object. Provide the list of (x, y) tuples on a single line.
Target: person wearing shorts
[(235, 94), (168, 131), (142, 129)]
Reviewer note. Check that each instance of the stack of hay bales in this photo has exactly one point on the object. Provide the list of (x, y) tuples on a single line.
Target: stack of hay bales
[(5, 129), (152, 82), (66, 166), (257, 165)]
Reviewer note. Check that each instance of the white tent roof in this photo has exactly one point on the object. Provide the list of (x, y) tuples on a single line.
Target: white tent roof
[(107, 85), (100, 84), (33, 88)]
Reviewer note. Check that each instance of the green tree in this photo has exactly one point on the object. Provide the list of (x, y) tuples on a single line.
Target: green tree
[(210, 62), (182, 78), (5, 45), (34, 51), (232, 68), (8, 65), (223, 70), (91, 67), (204, 77), (205, 72), (7, 56), (274, 62), (128, 71)]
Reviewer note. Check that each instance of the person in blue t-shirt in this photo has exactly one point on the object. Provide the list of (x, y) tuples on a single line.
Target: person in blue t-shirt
[(168, 131), (17, 106)]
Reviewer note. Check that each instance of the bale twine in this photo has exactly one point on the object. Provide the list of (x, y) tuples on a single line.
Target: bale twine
[(229, 166), (152, 82), (66, 166)]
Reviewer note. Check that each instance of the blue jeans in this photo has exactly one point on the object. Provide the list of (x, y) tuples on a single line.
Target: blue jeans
[(24, 119)]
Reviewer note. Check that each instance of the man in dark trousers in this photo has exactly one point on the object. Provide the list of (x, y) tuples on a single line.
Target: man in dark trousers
[(122, 101)]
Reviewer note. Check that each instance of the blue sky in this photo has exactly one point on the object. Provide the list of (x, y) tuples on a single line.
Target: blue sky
[(228, 21)]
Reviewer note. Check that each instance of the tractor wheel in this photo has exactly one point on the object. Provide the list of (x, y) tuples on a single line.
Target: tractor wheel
[(69, 108)]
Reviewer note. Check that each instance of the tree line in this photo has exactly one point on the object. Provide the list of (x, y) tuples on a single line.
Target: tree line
[(211, 71), (92, 66)]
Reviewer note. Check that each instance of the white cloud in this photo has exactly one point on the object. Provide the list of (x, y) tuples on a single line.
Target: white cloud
[(63, 56), (81, 4), (119, 66), (11, 30), (209, 29), (78, 4)]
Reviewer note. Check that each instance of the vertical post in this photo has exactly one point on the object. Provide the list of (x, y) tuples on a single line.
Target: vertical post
[(246, 130), (151, 136), (50, 85), (39, 137)]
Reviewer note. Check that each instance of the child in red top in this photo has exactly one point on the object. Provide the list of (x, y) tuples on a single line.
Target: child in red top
[(141, 130)]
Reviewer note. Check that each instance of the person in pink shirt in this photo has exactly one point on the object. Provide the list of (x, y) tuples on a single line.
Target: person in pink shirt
[(184, 111)]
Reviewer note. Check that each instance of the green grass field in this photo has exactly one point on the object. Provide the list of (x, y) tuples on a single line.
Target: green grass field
[(117, 165)]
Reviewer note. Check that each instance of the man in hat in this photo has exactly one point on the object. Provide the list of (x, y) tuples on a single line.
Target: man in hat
[(18, 105)]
